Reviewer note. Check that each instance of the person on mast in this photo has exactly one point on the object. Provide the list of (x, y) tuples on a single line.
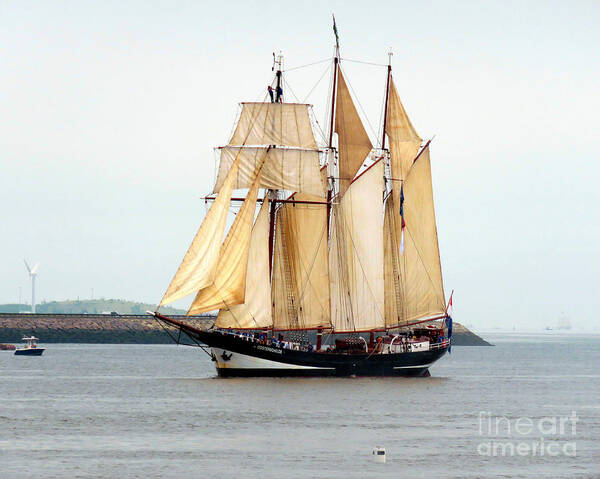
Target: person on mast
[(270, 90)]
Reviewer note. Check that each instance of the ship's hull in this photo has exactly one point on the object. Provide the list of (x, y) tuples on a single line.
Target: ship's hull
[(238, 357), (29, 351)]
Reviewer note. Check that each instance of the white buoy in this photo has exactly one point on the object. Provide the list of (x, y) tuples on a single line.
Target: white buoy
[(379, 454)]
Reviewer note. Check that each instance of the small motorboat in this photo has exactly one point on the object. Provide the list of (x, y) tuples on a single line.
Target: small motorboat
[(7, 347), (31, 349)]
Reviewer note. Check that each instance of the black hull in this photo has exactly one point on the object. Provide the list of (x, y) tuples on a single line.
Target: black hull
[(238, 357), (29, 352)]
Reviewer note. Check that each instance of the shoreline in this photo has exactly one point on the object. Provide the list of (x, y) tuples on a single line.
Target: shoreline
[(126, 329)]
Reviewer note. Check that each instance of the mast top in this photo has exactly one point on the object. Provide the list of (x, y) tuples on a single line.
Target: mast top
[(337, 38), (277, 62), (276, 95)]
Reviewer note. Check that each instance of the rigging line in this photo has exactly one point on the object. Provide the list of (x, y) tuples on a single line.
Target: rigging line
[(382, 114), (360, 105), (316, 84), (186, 333), (320, 130), (304, 66), (364, 63), (238, 113), (329, 99), (231, 132), (287, 85), (197, 343)]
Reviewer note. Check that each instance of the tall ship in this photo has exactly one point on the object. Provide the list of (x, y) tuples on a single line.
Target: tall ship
[(331, 266)]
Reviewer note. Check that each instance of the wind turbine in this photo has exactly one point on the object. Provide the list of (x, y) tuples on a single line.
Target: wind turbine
[(32, 274)]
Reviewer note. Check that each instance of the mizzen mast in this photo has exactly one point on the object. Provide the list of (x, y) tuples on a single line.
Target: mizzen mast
[(387, 97)]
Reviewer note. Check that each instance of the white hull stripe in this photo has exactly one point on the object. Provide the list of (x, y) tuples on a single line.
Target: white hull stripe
[(243, 361), (413, 367)]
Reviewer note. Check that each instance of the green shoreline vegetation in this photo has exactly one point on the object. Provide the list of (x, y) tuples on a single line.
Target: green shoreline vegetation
[(88, 306)]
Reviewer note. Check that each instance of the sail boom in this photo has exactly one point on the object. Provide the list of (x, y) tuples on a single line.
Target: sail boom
[(259, 200), (353, 180), (308, 105), (415, 322), (374, 330), (272, 147)]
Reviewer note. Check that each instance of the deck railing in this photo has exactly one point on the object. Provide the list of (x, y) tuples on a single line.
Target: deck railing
[(444, 344)]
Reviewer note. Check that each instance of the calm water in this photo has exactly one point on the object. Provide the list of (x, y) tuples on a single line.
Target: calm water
[(158, 411)]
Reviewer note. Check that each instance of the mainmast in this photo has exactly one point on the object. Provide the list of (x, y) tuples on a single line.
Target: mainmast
[(336, 60)]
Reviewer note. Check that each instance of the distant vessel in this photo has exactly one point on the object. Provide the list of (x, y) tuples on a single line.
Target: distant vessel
[(563, 324), (344, 246), (7, 347), (31, 349)]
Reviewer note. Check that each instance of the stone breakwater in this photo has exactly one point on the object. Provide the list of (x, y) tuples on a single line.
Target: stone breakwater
[(91, 328), (129, 328)]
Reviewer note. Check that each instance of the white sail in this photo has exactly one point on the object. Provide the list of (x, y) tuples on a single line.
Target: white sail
[(255, 311), (403, 138), (281, 124), (284, 169), (391, 265), (198, 266), (420, 267), (356, 255), (229, 284), (300, 269)]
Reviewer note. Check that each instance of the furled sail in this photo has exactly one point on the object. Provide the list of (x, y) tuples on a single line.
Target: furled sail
[(284, 169), (404, 140), (353, 142), (300, 271), (282, 124), (420, 267), (255, 312), (198, 266), (228, 286), (356, 255)]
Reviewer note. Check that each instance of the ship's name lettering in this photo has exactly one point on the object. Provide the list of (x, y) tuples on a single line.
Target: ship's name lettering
[(267, 348)]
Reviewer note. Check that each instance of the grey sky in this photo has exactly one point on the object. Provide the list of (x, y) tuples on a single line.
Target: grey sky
[(109, 112)]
